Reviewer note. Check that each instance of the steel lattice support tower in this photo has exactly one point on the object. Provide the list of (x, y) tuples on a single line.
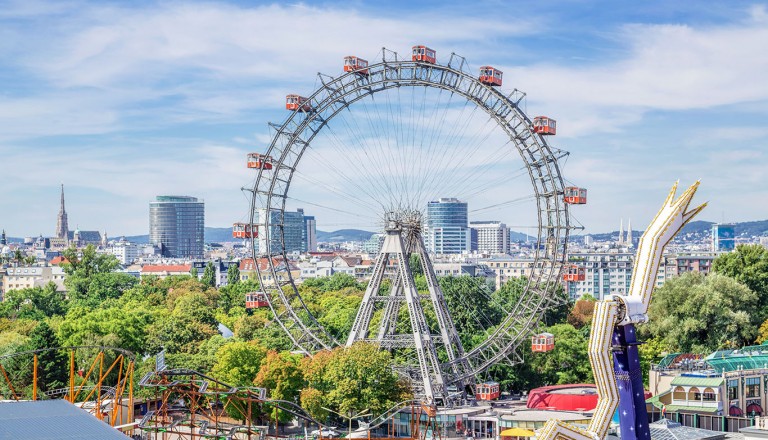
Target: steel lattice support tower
[(404, 239)]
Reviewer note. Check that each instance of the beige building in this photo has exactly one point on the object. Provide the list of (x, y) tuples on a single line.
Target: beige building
[(25, 277), (507, 268)]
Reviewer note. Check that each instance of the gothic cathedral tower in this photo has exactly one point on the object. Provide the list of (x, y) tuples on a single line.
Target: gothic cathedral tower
[(62, 228)]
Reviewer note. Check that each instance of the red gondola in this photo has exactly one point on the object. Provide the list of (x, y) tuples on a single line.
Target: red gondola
[(544, 125), (244, 230), (256, 160), (542, 343), (424, 54), (355, 64), (573, 272), (490, 76), (255, 300), (488, 391), (575, 195), (296, 102)]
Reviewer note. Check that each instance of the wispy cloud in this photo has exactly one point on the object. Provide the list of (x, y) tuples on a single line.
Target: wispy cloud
[(134, 100)]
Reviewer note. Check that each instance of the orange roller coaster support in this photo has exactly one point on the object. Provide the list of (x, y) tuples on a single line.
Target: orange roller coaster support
[(71, 376), (8, 381), (34, 378)]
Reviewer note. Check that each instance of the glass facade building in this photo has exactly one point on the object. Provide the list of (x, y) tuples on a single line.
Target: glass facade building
[(309, 239), (723, 237), (294, 228), (177, 226), (447, 231)]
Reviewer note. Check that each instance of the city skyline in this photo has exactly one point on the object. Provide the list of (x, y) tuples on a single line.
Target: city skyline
[(121, 102)]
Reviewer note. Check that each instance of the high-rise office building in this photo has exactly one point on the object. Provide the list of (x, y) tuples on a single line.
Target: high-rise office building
[(723, 237), (177, 226), (447, 230), (490, 237), (309, 239), (294, 231)]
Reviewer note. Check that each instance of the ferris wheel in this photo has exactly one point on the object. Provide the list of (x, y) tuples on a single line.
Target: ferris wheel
[(384, 140)]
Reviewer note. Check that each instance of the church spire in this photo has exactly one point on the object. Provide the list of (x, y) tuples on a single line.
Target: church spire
[(62, 228), (629, 232), (621, 232)]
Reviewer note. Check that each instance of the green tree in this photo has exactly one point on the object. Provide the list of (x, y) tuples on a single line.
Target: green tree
[(351, 379), (748, 264), (281, 375), (125, 327), (700, 314), (336, 281), (650, 353), (238, 363), (209, 275), (233, 274), (35, 302), (415, 262), (467, 299), (81, 266), (568, 362), (52, 365)]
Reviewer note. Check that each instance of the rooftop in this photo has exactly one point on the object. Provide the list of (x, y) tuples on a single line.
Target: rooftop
[(52, 419)]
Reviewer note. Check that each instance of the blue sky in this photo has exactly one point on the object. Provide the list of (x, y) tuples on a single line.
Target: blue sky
[(125, 101)]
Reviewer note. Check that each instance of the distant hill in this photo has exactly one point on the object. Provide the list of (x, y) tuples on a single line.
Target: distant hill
[(700, 227), (515, 236), (343, 235), (218, 235), (212, 235)]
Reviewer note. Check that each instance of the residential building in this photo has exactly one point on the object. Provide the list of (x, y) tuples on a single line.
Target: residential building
[(125, 251), (165, 270), (373, 245), (248, 270), (447, 230), (723, 237), (607, 272), (177, 226), (489, 237), (221, 269), (678, 264), (25, 277), (509, 267)]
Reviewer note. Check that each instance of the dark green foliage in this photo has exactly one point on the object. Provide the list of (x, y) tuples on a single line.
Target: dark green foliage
[(34, 303), (748, 264), (209, 275), (699, 314), (52, 365), (336, 281), (233, 275), (415, 263)]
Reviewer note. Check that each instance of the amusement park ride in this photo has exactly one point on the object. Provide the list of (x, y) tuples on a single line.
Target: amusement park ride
[(612, 338)]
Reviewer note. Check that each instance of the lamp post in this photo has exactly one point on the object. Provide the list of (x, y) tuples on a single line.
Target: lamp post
[(350, 417)]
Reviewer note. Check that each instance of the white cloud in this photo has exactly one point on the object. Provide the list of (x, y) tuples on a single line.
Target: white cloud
[(134, 79)]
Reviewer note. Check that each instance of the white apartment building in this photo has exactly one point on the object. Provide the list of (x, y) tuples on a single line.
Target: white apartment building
[(607, 272), (26, 277), (490, 237), (125, 252), (509, 267)]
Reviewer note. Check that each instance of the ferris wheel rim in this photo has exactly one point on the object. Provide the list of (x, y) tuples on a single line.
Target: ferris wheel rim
[(334, 94)]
